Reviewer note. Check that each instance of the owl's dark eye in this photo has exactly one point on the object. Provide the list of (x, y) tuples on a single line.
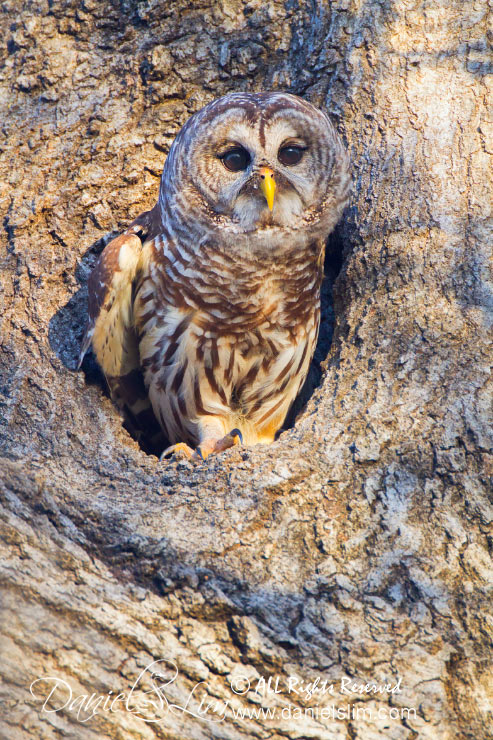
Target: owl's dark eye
[(236, 159), (290, 155)]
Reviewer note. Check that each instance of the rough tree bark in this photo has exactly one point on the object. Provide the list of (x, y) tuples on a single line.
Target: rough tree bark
[(358, 545)]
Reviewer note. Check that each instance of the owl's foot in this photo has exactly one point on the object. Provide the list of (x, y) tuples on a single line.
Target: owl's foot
[(206, 448), (181, 450), (213, 446)]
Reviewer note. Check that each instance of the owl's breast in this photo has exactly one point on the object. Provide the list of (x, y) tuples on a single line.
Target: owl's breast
[(238, 347)]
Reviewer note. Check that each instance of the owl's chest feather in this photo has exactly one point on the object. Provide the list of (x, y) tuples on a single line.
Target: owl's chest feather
[(219, 340)]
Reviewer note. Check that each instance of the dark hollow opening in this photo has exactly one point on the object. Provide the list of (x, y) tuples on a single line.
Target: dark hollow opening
[(68, 324)]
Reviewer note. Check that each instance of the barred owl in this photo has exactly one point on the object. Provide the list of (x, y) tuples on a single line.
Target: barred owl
[(213, 296)]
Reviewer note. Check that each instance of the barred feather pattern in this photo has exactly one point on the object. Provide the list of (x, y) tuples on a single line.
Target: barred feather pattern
[(232, 342), (225, 305)]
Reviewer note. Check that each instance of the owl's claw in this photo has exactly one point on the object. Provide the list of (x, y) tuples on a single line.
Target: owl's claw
[(212, 447), (199, 454), (206, 448), (180, 449), (237, 436)]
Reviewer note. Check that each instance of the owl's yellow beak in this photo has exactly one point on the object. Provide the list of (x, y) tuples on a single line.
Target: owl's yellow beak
[(268, 185)]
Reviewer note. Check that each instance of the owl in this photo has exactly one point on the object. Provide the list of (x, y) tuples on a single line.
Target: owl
[(204, 313)]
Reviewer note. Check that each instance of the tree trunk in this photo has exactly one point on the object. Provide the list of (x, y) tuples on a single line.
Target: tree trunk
[(358, 545)]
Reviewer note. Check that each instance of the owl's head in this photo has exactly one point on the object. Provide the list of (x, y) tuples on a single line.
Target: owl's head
[(254, 163)]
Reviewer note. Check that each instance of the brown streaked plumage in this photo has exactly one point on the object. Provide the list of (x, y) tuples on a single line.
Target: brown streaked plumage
[(214, 293)]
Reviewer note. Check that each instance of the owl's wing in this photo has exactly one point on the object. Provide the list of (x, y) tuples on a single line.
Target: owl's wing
[(110, 327), (110, 322)]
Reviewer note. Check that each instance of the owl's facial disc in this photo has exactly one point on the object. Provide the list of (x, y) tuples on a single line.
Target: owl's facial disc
[(265, 180), (216, 164)]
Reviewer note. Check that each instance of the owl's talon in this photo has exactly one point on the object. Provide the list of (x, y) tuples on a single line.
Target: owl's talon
[(204, 449), (181, 448), (211, 446), (237, 436)]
